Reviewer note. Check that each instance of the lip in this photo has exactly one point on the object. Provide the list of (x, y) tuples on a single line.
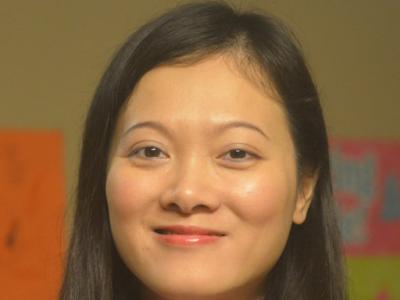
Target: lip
[(178, 235)]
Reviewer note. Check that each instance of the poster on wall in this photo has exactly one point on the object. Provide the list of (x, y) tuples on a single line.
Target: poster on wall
[(32, 200), (366, 176), (366, 180)]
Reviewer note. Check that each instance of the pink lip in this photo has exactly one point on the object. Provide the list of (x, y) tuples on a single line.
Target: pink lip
[(187, 235)]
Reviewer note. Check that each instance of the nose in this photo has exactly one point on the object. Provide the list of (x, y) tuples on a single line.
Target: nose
[(191, 189)]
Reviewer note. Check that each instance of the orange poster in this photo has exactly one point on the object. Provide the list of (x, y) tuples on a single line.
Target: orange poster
[(32, 199)]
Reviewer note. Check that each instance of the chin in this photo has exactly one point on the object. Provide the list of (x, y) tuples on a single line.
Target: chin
[(188, 294), (188, 287)]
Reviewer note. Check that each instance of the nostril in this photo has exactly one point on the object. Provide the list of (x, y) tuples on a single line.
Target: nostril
[(201, 208), (173, 207)]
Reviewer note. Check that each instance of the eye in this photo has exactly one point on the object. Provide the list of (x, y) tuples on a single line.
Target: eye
[(239, 155), (148, 152)]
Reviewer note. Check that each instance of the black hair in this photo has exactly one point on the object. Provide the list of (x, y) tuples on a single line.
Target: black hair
[(311, 266)]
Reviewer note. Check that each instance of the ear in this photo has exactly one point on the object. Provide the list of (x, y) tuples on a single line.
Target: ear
[(304, 197)]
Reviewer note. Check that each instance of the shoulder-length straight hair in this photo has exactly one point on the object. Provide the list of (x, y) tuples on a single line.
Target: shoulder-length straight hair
[(311, 264)]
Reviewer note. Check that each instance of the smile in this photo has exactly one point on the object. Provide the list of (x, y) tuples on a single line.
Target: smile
[(187, 235)]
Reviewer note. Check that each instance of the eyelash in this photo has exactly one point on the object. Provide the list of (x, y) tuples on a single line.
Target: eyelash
[(249, 154)]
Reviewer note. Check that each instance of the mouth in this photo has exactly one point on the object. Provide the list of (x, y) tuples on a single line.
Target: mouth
[(179, 235), (187, 230)]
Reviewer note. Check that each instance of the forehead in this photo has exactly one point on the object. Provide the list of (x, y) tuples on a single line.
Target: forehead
[(204, 93)]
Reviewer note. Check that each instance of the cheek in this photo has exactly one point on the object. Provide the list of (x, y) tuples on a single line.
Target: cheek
[(261, 197), (127, 195)]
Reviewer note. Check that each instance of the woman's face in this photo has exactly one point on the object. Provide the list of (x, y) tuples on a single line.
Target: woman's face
[(201, 186)]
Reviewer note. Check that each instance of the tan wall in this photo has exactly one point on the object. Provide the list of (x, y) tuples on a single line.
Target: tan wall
[(53, 52)]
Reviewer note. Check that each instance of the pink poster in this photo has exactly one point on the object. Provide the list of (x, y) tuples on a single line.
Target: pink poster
[(366, 177)]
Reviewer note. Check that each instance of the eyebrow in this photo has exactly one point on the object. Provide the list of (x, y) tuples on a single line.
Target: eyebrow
[(220, 127)]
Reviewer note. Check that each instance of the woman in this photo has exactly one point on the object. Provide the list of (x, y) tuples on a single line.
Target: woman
[(205, 169)]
